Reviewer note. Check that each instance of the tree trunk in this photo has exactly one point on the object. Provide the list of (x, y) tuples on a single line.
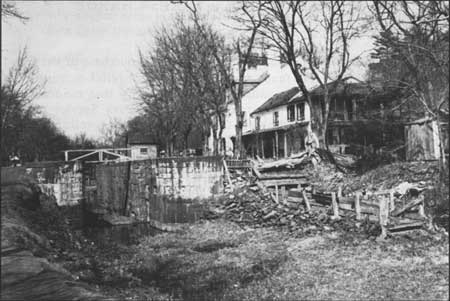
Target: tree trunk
[(186, 138), (215, 143), (442, 160), (222, 149), (324, 125), (171, 148)]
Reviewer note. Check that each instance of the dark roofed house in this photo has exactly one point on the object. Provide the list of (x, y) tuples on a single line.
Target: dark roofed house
[(359, 115), (277, 100)]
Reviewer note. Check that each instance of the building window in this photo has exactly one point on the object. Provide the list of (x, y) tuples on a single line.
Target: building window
[(144, 151), (275, 119), (301, 111), (291, 113), (257, 122)]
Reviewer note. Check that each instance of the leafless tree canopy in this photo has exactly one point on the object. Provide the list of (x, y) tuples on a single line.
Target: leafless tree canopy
[(414, 36), (318, 33), (9, 9), (242, 48), (184, 88), (21, 86)]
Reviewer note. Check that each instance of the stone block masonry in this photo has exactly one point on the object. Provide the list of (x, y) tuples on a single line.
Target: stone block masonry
[(163, 189), (188, 178), (61, 180)]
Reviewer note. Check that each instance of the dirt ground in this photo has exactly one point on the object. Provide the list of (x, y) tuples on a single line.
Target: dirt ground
[(223, 260), (218, 260)]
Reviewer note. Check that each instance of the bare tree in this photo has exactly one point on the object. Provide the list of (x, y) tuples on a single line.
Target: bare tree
[(414, 35), (183, 89), (242, 47), (20, 88), (318, 32), (114, 133), (9, 9)]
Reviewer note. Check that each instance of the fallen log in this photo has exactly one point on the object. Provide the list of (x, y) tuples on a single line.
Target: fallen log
[(288, 163)]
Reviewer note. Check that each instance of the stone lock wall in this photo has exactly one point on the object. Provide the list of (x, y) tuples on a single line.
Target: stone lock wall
[(188, 178), (61, 180), (173, 190), (163, 189)]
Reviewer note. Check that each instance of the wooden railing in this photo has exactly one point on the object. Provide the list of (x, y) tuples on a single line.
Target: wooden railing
[(238, 164)]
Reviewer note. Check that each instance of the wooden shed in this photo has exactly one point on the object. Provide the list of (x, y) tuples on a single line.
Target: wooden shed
[(422, 140)]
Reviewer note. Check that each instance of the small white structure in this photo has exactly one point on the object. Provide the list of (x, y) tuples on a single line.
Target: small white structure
[(143, 150)]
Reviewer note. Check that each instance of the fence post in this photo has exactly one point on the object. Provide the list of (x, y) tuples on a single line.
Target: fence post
[(276, 193), (335, 206), (422, 210), (358, 206), (308, 205), (383, 216), (391, 201), (339, 193)]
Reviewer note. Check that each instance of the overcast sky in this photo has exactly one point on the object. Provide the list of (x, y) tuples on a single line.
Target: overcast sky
[(87, 51)]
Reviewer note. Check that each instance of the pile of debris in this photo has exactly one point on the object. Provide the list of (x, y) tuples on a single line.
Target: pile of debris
[(250, 204), (303, 161)]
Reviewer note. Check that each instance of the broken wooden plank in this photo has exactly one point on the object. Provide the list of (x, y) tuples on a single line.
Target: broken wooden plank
[(409, 205), (278, 175), (347, 207), (405, 227), (227, 173), (369, 210), (285, 162), (305, 198), (254, 169), (280, 182), (345, 200)]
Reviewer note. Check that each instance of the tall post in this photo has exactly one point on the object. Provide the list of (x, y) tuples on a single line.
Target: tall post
[(358, 206), (335, 205), (66, 155), (391, 201), (285, 145), (262, 148), (276, 193), (384, 215), (100, 155), (276, 144)]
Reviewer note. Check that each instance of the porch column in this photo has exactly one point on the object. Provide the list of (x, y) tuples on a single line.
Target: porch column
[(276, 144), (262, 147), (285, 145)]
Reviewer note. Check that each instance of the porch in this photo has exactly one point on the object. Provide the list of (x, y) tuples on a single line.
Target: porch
[(275, 142)]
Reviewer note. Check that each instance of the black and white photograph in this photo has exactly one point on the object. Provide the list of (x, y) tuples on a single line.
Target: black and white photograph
[(224, 150)]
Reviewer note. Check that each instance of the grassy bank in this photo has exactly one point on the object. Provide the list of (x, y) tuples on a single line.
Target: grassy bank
[(221, 261)]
